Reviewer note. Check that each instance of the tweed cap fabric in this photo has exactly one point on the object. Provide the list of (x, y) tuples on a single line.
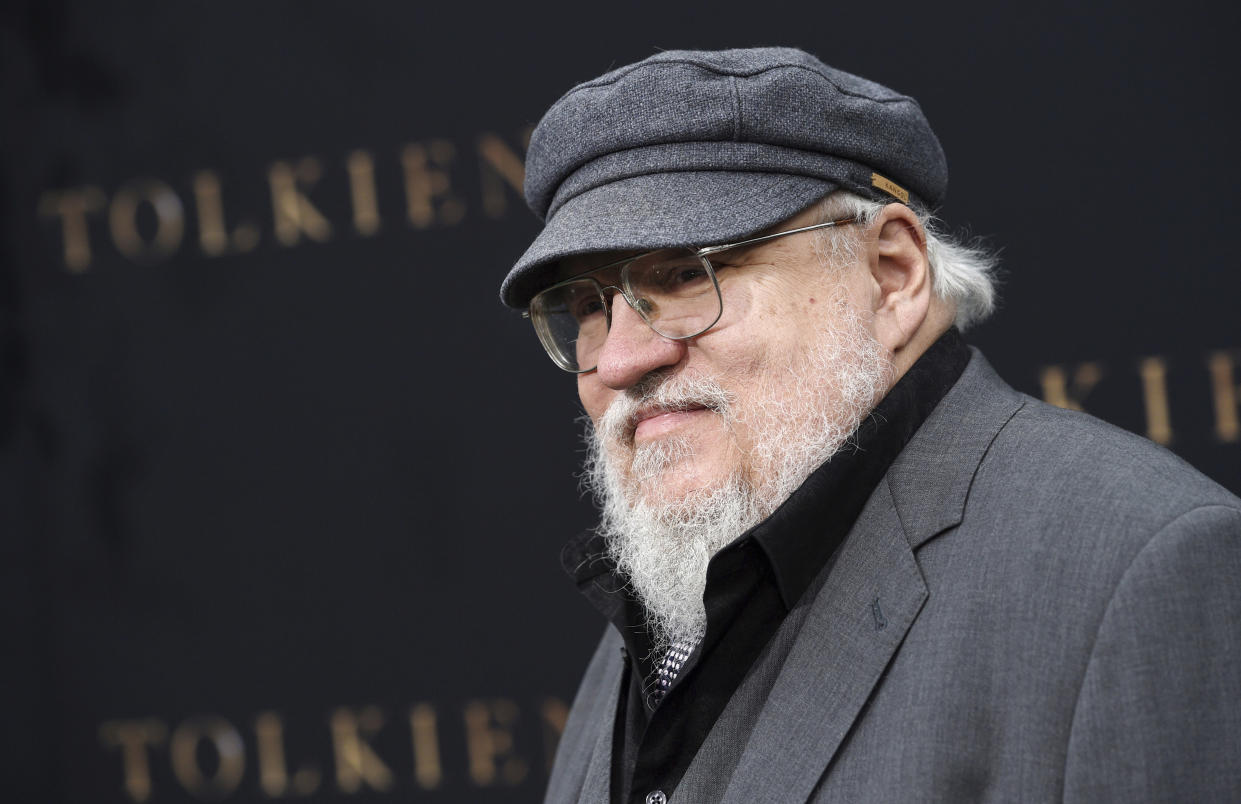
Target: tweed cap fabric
[(691, 148)]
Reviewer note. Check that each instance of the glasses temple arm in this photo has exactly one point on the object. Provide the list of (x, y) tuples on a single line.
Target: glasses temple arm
[(703, 252)]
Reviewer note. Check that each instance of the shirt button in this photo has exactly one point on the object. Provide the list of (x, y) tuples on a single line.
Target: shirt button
[(656, 797)]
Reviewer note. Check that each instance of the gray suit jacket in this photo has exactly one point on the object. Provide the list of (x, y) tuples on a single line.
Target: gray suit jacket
[(1033, 606)]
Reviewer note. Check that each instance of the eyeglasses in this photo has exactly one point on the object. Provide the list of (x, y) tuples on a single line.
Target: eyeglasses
[(674, 290)]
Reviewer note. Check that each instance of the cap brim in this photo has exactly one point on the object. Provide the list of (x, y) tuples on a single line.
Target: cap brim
[(660, 210)]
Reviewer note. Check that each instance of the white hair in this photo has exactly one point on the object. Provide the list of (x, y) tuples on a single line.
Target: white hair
[(962, 273)]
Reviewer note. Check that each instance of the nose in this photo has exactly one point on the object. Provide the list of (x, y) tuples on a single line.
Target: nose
[(632, 349)]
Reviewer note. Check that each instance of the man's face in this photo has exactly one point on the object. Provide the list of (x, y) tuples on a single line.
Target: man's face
[(785, 314)]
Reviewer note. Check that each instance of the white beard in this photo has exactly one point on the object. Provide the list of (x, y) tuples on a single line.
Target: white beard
[(663, 547)]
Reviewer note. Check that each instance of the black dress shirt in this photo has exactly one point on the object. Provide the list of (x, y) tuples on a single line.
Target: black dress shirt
[(751, 584)]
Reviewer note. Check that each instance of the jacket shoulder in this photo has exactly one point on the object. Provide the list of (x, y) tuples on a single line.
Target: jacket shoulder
[(1080, 464), (990, 459)]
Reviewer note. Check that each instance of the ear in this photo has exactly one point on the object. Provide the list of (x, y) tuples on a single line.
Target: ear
[(900, 276)]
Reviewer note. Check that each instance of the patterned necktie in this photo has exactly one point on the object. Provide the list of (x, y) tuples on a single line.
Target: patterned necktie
[(668, 669)]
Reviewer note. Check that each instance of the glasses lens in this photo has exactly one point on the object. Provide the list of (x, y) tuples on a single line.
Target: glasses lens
[(571, 321), (674, 290)]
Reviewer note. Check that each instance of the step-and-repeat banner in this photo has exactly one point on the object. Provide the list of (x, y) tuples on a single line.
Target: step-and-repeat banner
[(284, 484)]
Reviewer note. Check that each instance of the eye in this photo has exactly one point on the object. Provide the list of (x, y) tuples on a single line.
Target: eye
[(586, 306), (680, 275)]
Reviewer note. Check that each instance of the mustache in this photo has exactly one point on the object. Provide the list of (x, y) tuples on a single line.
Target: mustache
[(661, 393)]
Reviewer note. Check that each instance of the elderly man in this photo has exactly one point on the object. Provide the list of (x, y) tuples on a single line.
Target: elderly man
[(840, 558)]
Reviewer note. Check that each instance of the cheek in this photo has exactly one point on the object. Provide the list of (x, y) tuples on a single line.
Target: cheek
[(776, 301), (774, 328), (740, 357), (594, 395)]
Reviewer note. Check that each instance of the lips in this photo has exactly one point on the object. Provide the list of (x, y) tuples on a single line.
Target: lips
[(653, 420)]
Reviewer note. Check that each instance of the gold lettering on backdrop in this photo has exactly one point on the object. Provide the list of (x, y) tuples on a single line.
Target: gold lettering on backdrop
[(273, 773), (1154, 373), (133, 738), (426, 181), (1227, 394), (273, 769), (554, 713), (362, 192), (422, 726), (72, 207), (1058, 391), (356, 761), (489, 739), (169, 219), (500, 167), (427, 170), (229, 750), (292, 211), (213, 234)]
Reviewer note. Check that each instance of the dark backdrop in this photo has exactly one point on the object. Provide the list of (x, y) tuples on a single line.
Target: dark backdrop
[(284, 484)]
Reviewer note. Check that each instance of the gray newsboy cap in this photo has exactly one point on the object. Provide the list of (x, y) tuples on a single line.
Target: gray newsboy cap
[(691, 148)]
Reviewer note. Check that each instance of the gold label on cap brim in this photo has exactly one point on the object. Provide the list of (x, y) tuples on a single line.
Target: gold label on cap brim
[(890, 187)]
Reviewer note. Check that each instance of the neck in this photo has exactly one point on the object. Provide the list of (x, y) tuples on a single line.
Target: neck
[(939, 320)]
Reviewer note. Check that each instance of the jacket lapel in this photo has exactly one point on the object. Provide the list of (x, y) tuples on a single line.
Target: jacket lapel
[(598, 783), (872, 595), (582, 771)]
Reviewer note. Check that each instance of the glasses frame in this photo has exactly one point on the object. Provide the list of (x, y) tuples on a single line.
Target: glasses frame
[(636, 304)]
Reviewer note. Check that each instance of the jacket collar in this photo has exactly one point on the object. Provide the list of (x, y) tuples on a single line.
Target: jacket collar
[(930, 481)]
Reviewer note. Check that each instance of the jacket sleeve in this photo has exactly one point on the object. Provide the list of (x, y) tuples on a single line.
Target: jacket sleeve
[(1158, 717)]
